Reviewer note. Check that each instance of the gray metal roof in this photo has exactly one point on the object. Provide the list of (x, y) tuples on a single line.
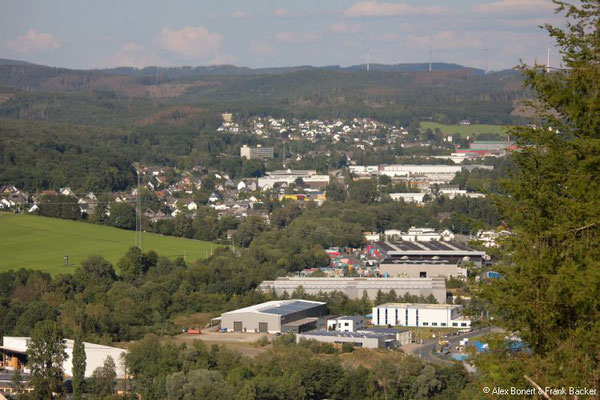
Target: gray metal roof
[(427, 248), (290, 308), (358, 334), (387, 330)]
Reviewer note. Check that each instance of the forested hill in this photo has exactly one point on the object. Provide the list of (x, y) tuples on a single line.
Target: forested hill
[(187, 71), (398, 93)]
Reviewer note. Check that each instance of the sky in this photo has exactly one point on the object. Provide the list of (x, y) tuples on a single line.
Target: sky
[(274, 33)]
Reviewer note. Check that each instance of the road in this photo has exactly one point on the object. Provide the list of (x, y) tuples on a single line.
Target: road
[(426, 350)]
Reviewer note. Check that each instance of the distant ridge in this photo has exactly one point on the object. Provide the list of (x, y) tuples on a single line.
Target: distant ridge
[(399, 92), (235, 70), (5, 61)]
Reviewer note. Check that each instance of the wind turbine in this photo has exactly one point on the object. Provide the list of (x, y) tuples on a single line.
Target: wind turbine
[(368, 58), (429, 58), (548, 60), (486, 60)]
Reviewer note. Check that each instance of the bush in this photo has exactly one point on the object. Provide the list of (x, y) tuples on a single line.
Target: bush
[(263, 341), (347, 348), (454, 283)]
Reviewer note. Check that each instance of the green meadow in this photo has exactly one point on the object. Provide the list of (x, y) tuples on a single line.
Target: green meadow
[(31, 241), (465, 130)]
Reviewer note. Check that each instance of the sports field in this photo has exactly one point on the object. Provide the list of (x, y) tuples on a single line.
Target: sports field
[(465, 130), (41, 243)]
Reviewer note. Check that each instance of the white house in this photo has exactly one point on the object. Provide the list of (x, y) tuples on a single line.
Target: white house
[(67, 192), (392, 233), (419, 315), (421, 235), (372, 236), (345, 324)]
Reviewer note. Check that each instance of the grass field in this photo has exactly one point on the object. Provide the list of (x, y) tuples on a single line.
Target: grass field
[(465, 130), (41, 243)]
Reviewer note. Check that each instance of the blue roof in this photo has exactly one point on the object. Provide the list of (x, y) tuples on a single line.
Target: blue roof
[(290, 308)]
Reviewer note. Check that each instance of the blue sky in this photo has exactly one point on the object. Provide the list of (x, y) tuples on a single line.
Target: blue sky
[(261, 33)]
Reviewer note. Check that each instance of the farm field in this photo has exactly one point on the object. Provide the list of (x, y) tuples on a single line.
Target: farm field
[(30, 241), (465, 130)]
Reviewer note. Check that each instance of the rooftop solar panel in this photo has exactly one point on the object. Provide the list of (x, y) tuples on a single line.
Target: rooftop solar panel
[(384, 246), (435, 245), (290, 308), (408, 246), (361, 334)]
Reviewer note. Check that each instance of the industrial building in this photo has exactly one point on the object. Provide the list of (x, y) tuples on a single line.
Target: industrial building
[(403, 336), (365, 339), (489, 146), (275, 317), (14, 356), (350, 329), (439, 172), (256, 152), (430, 252), (407, 269), (355, 287), (434, 173), (419, 315), (416, 198), (310, 178)]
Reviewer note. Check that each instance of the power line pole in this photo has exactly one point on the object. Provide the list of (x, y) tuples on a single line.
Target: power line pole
[(138, 215)]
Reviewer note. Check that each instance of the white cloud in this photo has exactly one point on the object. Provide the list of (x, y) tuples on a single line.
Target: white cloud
[(345, 27), (288, 37), (133, 55), (190, 42), (376, 9), (33, 42), (515, 6)]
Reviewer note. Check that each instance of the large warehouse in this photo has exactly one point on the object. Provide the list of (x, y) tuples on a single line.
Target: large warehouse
[(428, 315), (431, 251), (355, 287), (14, 355), (275, 316)]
